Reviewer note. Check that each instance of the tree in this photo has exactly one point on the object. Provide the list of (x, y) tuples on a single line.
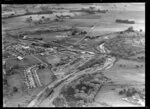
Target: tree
[(137, 66), (96, 87), (73, 86), (121, 92), (141, 58), (76, 90), (71, 104), (90, 84), (15, 89), (141, 30), (13, 70), (141, 65), (120, 65), (18, 105), (113, 89), (27, 10), (83, 88), (43, 17), (46, 45), (47, 19), (90, 98), (77, 95), (130, 29), (83, 32), (133, 91), (128, 93), (5, 82), (41, 66)]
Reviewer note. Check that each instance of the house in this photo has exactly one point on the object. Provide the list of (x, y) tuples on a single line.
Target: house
[(20, 58)]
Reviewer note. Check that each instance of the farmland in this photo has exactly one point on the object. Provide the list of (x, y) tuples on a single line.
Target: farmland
[(73, 55)]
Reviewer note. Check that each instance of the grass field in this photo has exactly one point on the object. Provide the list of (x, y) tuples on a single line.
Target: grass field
[(127, 75), (111, 98), (46, 76), (105, 22), (124, 72)]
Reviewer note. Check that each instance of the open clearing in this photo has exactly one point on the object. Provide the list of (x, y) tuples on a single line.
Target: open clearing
[(128, 75)]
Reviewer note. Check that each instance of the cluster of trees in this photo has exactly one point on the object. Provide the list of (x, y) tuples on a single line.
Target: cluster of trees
[(141, 58), (118, 46), (6, 8), (138, 66), (128, 92), (63, 61), (13, 70), (75, 61), (8, 91), (15, 89), (38, 38), (27, 11), (38, 50), (60, 64), (92, 37), (130, 29), (85, 97), (5, 81), (59, 102), (76, 32), (87, 91), (35, 44), (41, 66), (61, 41), (47, 45), (121, 65), (6, 55), (44, 8), (141, 30), (81, 91), (40, 21)]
